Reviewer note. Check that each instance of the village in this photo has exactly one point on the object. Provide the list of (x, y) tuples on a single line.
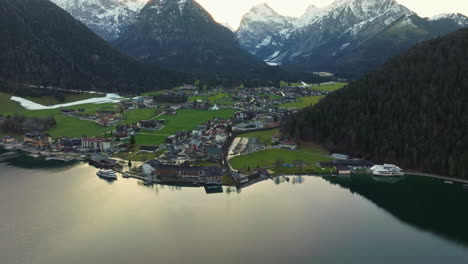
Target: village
[(199, 156)]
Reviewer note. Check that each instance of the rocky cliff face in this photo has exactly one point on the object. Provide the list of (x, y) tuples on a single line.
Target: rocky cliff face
[(348, 36), (107, 18), (263, 32), (180, 34)]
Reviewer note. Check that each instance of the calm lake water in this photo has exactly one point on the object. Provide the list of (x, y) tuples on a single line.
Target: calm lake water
[(68, 215)]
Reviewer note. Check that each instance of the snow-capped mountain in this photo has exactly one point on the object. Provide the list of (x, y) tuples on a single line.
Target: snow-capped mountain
[(181, 34), (348, 36), (455, 17), (342, 25), (107, 18), (263, 32)]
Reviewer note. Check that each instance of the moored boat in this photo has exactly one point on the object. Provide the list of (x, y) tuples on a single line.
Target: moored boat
[(386, 170), (107, 174)]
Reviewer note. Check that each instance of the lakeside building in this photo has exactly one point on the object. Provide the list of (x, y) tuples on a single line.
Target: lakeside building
[(103, 162), (212, 175), (96, 144), (37, 140), (8, 139), (149, 167), (346, 166)]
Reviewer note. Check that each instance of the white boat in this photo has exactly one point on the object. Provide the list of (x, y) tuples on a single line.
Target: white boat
[(386, 170), (107, 174)]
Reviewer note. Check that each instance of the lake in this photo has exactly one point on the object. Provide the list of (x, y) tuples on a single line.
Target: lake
[(66, 214)]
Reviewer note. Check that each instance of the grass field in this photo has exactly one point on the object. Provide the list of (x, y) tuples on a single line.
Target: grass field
[(263, 136), (267, 159), (73, 127), (304, 102), (188, 119), (134, 116), (50, 100), (66, 126), (329, 87), (147, 139)]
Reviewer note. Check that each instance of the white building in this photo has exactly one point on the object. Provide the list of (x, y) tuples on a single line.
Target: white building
[(96, 144), (149, 167)]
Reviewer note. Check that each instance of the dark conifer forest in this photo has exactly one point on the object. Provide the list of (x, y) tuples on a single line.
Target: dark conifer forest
[(412, 111), (44, 45)]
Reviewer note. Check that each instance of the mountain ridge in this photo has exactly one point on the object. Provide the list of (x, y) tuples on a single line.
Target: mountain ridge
[(38, 49), (323, 38), (182, 35), (410, 111)]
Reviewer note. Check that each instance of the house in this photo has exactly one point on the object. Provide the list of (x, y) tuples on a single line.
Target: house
[(38, 140), (346, 166), (150, 125), (8, 139), (288, 145), (149, 167), (215, 108), (105, 116)]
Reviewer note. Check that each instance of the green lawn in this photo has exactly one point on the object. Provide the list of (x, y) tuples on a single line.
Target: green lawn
[(267, 159), (264, 136), (185, 119), (304, 102), (7, 106), (143, 156), (50, 100), (189, 119), (134, 116), (152, 140), (73, 127), (329, 87), (66, 126)]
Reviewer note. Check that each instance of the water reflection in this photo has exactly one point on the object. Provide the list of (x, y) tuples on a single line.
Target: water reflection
[(21, 159), (428, 204)]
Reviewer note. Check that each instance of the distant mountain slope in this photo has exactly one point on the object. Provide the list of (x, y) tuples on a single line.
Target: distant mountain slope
[(349, 37), (411, 111), (263, 32), (182, 35), (107, 18), (43, 45), (355, 60)]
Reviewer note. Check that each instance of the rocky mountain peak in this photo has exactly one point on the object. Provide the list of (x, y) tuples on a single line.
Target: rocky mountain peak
[(107, 18), (458, 18)]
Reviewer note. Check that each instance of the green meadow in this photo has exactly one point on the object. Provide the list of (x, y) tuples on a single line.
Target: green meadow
[(304, 102)]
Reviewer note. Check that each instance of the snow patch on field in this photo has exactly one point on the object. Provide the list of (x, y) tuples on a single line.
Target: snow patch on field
[(30, 105)]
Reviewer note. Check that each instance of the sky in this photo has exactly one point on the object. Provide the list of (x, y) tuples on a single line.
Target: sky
[(231, 11)]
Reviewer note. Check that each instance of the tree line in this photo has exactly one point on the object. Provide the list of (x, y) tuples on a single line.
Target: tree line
[(411, 111)]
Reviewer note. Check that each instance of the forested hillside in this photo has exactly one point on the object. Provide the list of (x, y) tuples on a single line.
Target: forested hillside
[(41, 44), (412, 111)]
